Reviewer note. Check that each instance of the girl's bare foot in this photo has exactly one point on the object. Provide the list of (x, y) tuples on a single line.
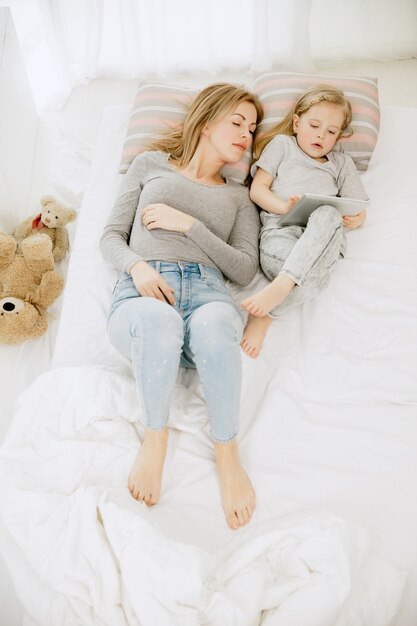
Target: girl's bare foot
[(238, 496), (269, 297), (146, 474), (254, 335)]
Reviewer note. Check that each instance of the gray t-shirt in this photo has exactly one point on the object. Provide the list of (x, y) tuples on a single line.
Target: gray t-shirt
[(295, 173), (224, 234)]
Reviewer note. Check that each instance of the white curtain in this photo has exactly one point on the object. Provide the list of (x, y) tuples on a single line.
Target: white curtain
[(69, 42)]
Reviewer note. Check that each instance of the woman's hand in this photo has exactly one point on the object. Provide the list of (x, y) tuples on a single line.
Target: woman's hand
[(167, 218), (150, 283), (354, 221)]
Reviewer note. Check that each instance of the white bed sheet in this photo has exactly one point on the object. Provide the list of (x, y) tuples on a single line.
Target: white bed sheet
[(328, 433)]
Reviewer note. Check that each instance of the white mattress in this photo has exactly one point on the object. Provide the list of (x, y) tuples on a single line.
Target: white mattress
[(328, 434)]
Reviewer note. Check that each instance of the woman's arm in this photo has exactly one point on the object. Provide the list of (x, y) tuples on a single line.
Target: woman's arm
[(150, 283), (114, 241), (238, 258)]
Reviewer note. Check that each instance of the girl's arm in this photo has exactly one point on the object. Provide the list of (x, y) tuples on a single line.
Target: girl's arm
[(350, 186), (261, 194), (354, 221)]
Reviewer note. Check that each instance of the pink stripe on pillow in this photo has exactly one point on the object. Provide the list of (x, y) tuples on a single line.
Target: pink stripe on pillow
[(284, 105), (155, 108), (364, 139), (154, 121)]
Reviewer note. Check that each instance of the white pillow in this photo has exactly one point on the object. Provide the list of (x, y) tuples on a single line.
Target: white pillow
[(367, 30)]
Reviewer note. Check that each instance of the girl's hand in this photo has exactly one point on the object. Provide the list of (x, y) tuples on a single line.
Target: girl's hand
[(290, 202), (354, 221), (150, 283), (167, 218)]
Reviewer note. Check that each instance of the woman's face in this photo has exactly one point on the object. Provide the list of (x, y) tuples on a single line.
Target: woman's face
[(318, 129), (231, 136)]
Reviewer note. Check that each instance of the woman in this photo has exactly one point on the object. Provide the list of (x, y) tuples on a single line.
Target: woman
[(176, 229)]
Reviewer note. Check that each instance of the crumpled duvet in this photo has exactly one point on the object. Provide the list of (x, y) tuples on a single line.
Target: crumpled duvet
[(108, 560)]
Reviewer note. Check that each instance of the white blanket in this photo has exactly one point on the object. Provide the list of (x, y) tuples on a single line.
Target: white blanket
[(328, 435), (112, 561)]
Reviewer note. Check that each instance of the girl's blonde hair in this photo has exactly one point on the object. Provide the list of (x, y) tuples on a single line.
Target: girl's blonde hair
[(312, 96), (210, 104)]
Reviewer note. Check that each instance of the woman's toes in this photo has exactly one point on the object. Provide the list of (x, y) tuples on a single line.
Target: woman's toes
[(233, 521)]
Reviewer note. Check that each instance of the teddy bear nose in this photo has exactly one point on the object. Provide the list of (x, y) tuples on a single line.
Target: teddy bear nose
[(9, 306)]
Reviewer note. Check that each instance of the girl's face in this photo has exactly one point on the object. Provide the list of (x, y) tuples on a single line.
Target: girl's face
[(231, 136), (318, 129)]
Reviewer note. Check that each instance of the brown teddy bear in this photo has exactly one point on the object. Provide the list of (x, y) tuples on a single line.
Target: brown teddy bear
[(51, 221), (28, 285)]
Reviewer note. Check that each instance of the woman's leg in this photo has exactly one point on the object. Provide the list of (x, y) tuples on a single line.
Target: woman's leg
[(150, 333), (213, 333), (308, 265)]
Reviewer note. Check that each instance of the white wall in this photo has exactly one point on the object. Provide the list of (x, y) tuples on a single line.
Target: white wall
[(18, 128)]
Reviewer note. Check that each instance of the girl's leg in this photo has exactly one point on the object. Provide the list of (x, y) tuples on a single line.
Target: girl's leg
[(150, 333), (308, 265), (213, 333)]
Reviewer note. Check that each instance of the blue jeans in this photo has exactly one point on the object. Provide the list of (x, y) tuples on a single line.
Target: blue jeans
[(202, 330)]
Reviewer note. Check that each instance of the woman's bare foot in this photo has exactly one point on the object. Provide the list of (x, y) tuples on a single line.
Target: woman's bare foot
[(238, 496), (254, 335), (146, 474), (269, 297)]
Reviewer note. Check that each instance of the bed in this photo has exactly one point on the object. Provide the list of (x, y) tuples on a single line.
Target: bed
[(328, 435)]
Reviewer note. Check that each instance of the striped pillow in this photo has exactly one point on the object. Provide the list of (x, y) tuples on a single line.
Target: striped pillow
[(157, 107), (279, 91)]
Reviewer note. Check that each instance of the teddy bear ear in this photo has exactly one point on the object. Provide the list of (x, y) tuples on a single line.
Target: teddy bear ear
[(71, 215), (47, 200), (32, 330), (39, 329)]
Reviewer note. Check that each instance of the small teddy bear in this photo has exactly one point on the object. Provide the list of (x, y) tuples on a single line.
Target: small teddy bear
[(28, 285), (51, 221)]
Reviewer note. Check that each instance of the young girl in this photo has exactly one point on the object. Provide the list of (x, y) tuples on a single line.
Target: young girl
[(294, 157), (176, 228)]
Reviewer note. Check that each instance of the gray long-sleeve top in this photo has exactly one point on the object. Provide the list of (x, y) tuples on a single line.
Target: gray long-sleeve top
[(224, 234)]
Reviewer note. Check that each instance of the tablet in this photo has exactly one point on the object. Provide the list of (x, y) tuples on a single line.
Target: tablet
[(309, 202)]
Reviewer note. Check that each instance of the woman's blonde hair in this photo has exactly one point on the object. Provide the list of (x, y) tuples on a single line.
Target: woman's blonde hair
[(209, 105), (312, 96)]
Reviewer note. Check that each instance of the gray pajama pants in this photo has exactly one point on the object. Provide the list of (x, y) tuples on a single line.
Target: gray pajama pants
[(307, 255)]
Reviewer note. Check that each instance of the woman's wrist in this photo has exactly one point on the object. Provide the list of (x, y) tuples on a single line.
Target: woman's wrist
[(189, 221), (136, 265)]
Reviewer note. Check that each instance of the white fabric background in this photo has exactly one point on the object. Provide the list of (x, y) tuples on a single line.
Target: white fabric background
[(69, 43)]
